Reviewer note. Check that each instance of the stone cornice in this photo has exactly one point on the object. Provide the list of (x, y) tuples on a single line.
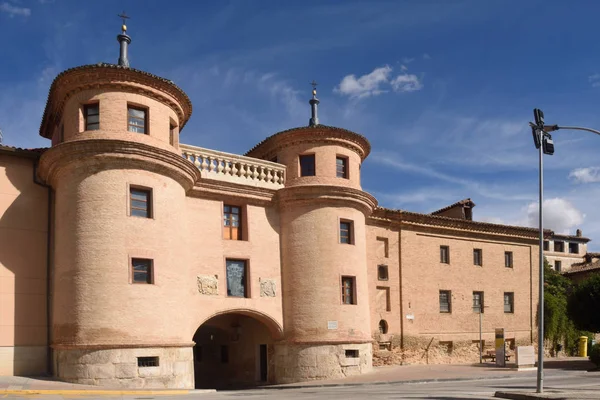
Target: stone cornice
[(407, 219), (311, 134), (220, 190), (109, 76), (111, 154), (338, 195), (110, 346)]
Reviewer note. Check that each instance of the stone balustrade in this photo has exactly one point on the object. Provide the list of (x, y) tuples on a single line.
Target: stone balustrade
[(234, 168)]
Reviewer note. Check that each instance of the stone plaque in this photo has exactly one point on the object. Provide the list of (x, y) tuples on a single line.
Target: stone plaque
[(267, 287), (331, 325), (525, 356), (208, 284)]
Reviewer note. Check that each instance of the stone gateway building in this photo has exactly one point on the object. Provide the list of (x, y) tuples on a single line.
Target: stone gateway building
[(130, 259)]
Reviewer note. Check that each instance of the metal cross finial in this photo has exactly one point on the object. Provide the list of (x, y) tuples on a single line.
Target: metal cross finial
[(123, 16), (314, 84)]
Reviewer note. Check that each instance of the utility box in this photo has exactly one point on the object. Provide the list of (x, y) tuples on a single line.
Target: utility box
[(583, 346)]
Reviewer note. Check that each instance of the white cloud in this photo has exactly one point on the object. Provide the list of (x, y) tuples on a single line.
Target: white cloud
[(559, 215), (585, 175), (426, 56), (407, 60), (403, 68), (594, 80), (365, 86), (406, 83), (375, 83), (13, 10)]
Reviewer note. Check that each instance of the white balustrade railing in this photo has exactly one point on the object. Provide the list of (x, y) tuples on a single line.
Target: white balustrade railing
[(235, 168)]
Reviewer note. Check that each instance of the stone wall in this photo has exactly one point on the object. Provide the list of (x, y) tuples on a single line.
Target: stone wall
[(119, 368)]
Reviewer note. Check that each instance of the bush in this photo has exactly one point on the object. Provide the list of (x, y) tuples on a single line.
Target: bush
[(595, 354)]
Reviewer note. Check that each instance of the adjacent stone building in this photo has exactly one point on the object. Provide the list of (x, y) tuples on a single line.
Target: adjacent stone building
[(130, 259)]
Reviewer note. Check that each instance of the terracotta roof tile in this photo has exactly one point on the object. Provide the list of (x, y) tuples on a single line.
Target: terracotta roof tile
[(462, 202), (18, 151)]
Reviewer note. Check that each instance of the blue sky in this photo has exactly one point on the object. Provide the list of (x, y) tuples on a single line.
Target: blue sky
[(443, 89)]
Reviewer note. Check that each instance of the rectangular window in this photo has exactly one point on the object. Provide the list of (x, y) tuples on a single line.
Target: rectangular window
[(445, 254), (559, 247), (147, 362), (136, 121), (351, 353), (237, 278), (141, 270), (341, 167), (346, 232), (478, 257), (140, 202), (478, 302), (557, 265), (232, 222), (382, 272), (172, 134), (574, 248), (508, 259), (307, 165), (546, 245), (91, 113), (348, 290), (445, 301), (509, 299)]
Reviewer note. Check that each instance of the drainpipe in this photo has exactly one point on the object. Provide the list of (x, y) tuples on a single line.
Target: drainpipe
[(48, 264)]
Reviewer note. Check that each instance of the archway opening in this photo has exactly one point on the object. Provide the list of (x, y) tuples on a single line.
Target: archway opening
[(383, 326), (232, 351)]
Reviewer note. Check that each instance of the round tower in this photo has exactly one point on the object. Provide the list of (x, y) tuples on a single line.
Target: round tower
[(326, 314), (119, 188)]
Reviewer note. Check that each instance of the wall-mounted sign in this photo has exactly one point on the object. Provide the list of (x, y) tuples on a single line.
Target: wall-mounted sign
[(332, 325)]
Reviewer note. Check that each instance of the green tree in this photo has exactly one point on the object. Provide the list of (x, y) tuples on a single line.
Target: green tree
[(584, 304)]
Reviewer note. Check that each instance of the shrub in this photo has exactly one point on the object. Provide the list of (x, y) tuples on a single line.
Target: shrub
[(595, 354)]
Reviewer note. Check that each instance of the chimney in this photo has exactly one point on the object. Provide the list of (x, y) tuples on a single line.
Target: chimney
[(578, 233)]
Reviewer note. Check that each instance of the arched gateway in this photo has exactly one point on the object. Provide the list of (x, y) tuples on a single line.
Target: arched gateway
[(235, 349)]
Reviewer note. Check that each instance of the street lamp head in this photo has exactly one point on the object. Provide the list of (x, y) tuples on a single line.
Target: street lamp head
[(536, 135), (539, 116), (548, 144)]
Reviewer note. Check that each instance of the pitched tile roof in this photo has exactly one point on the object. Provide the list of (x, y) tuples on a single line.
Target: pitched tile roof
[(463, 202), (18, 151)]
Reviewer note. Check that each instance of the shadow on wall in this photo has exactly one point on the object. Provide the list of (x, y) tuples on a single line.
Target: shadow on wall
[(23, 269)]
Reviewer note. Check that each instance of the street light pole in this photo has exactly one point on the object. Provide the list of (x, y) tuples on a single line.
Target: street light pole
[(540, 370)]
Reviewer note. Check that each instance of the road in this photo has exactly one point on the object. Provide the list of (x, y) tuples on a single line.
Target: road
[(471, 389)]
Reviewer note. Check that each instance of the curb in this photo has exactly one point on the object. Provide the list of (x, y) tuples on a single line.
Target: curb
[(416, 381), (516, 396), (103, 391)]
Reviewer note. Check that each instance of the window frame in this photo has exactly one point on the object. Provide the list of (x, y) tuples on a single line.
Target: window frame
[(383, 267), (314, 164), (546, 245), (352, 285), (149, 271), (146, 112), (86, 124), (480, 309), (350, 231), (149, 201), (448, 294), (345, 172), (240, 232), (172, 128), (444, 249), (558, 265), (559, 244), (511, 296), (570, 248), (478, 257), (247, 280), (509, 259)]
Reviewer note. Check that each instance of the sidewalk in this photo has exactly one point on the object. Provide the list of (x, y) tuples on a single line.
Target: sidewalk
[(555, 395)]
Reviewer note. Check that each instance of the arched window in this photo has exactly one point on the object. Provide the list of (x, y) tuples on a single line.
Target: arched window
[(383, 327)]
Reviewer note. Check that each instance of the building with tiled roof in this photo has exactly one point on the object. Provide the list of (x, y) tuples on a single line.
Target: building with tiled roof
[(128, 258)]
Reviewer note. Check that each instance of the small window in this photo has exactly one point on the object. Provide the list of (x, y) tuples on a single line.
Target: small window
[(341, 167), (478, 257), (141, 270), (478, 302), (546, 245), (382, 272), (232, 222), (307, 165), (574, 248), (445, 301), (237, 278), (140, 202), (383, 326), (348, 290), (559, 247), (508, 259), (225, 354), (91, 113), (445, 254), (352, 353), (143, 362), (346, 232), (137, 120), (172, 134), (509, 299), (557, 266)]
